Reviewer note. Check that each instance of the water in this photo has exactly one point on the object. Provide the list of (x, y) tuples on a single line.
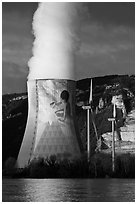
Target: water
[(48, 190)]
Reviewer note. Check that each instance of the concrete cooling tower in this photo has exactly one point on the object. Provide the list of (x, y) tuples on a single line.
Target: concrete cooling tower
[(51, 126)]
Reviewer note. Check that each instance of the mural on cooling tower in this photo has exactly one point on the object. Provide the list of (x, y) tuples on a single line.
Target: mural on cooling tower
[(62, 108), (56, 131)]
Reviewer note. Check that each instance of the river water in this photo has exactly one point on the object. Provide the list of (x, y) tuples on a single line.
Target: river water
[(49, 190)]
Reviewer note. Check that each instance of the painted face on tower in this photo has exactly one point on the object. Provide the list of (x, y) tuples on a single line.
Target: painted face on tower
[(64, 111)]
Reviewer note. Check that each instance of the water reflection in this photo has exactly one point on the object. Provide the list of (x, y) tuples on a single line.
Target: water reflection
[(91, 190)]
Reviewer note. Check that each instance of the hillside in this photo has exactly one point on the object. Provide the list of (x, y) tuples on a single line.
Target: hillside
[(127, 145), (15, 108)]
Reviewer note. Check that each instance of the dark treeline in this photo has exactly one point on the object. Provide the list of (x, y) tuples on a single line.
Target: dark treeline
[(100, 166)]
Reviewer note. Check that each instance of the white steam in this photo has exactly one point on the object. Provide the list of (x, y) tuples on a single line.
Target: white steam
[(56, 29)]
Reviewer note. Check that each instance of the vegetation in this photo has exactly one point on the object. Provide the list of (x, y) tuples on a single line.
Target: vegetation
[(100, 166)]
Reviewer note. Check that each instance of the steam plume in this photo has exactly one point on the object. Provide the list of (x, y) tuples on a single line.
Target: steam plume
[(56, 29)]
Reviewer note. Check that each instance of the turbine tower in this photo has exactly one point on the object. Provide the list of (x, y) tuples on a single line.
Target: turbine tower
[(51, 126)]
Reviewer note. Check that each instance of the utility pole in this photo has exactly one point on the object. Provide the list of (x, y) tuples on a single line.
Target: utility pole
[(113, 137), (88, 131)]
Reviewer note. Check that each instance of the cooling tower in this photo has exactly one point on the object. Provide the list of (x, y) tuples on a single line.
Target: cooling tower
[(51, 125)]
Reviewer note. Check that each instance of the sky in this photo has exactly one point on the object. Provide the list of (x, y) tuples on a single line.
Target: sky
[(107, 41)]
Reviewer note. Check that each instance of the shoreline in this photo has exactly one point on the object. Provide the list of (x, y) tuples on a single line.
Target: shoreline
[(100, 166)]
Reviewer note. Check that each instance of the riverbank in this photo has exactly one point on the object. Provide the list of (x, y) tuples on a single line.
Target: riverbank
[(100, 166)]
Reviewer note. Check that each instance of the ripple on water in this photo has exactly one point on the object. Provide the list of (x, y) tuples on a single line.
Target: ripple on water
[(78, 190)]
